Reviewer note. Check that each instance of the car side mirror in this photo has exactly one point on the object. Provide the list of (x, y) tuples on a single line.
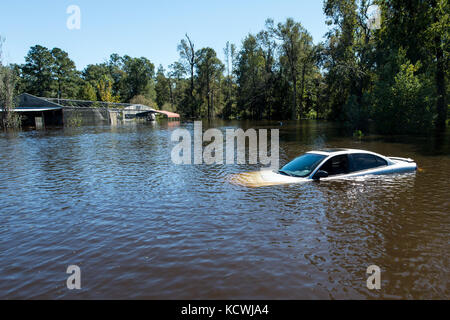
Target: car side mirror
[(320, 174)]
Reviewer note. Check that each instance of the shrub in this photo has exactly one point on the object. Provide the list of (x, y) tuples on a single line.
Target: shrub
[(404, 106)]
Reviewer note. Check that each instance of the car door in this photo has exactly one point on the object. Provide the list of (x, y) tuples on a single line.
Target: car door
[(336, 166), (360, 162)]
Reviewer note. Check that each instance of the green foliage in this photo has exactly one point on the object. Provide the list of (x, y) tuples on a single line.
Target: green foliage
[(48, 73), (8, 118), (87, 92), (143, 100), (348, 57), (75, 120), (298, 57), (189, 105), (94, 72), (355, 113), (312, 115), (358, 134), (38, 72), (229, 82), (405, 105), (162, 87), (209, 74), (105, 92), (396, 76), (138, 78), (65, 75)]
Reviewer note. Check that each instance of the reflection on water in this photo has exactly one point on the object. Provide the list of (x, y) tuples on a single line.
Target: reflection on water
[(111, 201)]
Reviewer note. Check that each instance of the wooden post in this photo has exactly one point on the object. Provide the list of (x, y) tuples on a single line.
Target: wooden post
[(39, 123)]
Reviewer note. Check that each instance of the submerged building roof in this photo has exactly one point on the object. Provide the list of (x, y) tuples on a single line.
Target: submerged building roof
[(29, 103)]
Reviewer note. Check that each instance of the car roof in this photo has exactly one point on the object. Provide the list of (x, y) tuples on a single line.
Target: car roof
[(339, 151)]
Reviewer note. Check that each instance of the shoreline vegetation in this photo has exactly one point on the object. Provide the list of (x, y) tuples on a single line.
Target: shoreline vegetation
[(395, 77), (8, 118)]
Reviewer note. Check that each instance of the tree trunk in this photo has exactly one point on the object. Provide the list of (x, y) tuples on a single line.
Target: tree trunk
[(302, 90), (59, 89), (171, 93), (192, 92), (212, 103), (294, 100), (441, 104)]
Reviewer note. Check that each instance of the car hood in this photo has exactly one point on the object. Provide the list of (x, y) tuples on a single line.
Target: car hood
[(263, 179)]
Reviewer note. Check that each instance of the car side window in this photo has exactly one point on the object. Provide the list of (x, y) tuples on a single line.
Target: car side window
[(361, 162), (336, 165)]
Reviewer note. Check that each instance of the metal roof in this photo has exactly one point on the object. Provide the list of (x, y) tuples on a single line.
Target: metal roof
[(34, 109), (168, 114)]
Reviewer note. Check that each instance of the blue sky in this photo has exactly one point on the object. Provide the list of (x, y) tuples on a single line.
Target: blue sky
[(151, 29)]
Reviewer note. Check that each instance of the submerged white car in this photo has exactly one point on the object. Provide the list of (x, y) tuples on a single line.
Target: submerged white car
[(326, 165)]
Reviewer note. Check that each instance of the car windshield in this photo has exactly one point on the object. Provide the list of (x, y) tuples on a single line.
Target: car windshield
[(302, 166)]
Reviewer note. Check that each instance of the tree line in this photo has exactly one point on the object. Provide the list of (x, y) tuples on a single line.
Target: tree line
[(395, 76)]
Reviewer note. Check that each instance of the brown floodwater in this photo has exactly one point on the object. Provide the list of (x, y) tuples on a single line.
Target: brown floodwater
[(109, 200)]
